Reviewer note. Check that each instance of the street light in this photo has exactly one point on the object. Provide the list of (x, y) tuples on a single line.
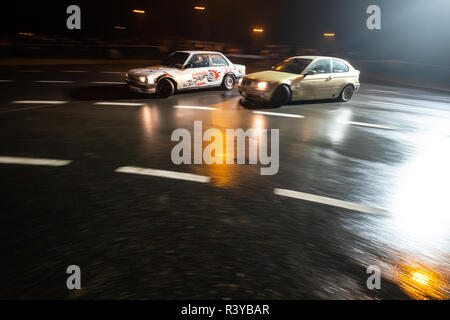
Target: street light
[(199, 8), (139, 11), (329, 35), (258, 30)]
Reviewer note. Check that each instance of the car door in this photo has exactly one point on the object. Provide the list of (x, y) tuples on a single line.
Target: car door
[(340, 74), (319, 85), (198, 70), (219, 68)]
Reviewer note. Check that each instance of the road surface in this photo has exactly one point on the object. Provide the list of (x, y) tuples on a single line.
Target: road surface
[(363, 183)]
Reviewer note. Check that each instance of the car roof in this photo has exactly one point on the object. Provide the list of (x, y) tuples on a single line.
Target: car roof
[(196, 51), (315, 57)]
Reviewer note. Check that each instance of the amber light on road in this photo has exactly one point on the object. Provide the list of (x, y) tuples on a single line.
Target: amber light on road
[(329, 35), (258, 30), (139, 11), (199, 8)]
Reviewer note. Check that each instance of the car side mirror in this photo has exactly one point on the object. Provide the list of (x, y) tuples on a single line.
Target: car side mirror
[(310, 73)]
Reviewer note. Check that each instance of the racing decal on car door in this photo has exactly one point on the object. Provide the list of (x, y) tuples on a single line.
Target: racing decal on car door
[(203, 78)]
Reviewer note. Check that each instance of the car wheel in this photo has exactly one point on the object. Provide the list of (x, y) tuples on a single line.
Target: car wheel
[(346, 93), (228, 82), (281, 95), (165, 88)]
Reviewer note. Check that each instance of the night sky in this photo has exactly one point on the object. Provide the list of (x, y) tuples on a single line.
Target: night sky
[(410, 27)]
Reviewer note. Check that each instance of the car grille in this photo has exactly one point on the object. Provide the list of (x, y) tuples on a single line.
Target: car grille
[(133, 78), (247, 82)]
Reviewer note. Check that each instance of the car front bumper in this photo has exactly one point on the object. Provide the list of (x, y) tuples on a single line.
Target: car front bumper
[(141, 87), (254, 94)]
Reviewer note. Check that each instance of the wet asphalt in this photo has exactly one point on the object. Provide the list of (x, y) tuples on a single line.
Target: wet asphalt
[(147, 237)]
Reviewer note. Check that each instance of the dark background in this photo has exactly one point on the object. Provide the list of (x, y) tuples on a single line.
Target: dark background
[(413, 30)]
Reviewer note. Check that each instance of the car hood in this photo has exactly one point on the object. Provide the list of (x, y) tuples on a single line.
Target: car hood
[(155, 70), (271, 75)]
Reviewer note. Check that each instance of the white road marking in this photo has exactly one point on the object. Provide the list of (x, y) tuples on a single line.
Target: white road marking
[(278, 114), (389, 103), (329, 201), (39, 102), (34, 161), (195, 107), (119, 104), (54, 81), (364, 124), (164, 174), (385, 91), (7, 81), (113, 72), (74, 71), (107, 82)]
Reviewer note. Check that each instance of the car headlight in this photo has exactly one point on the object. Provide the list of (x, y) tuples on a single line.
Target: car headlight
[(143, 79), (262, 85)]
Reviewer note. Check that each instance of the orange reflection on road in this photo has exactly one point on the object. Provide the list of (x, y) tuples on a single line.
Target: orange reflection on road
[(149, 117), (421, 282)]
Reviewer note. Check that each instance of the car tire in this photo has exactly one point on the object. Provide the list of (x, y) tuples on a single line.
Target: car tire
[(228, 82), (346, 93), (165, 88), (281, 95)]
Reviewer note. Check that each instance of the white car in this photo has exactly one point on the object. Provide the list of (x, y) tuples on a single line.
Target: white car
[(302, 78), (184, 70)]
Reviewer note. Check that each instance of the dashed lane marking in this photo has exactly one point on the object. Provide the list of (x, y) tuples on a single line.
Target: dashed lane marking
[(195, 107), (39, 102), (389, 103), (42, 104), (107, 82), (53, 81), (278, 114), (35, 161), (164, 174), (133, 104), (370, 125), (329, 201)]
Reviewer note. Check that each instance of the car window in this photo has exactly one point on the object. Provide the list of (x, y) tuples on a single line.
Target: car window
[(176, 59), (321, 66), (199, 61), (339, 66), (218, 60), (292, 65)]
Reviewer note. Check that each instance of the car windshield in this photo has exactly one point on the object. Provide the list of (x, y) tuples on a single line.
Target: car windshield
[(292, 65), (176, 59)]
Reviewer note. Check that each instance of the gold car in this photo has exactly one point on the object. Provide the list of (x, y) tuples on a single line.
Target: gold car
[(302, 78)]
